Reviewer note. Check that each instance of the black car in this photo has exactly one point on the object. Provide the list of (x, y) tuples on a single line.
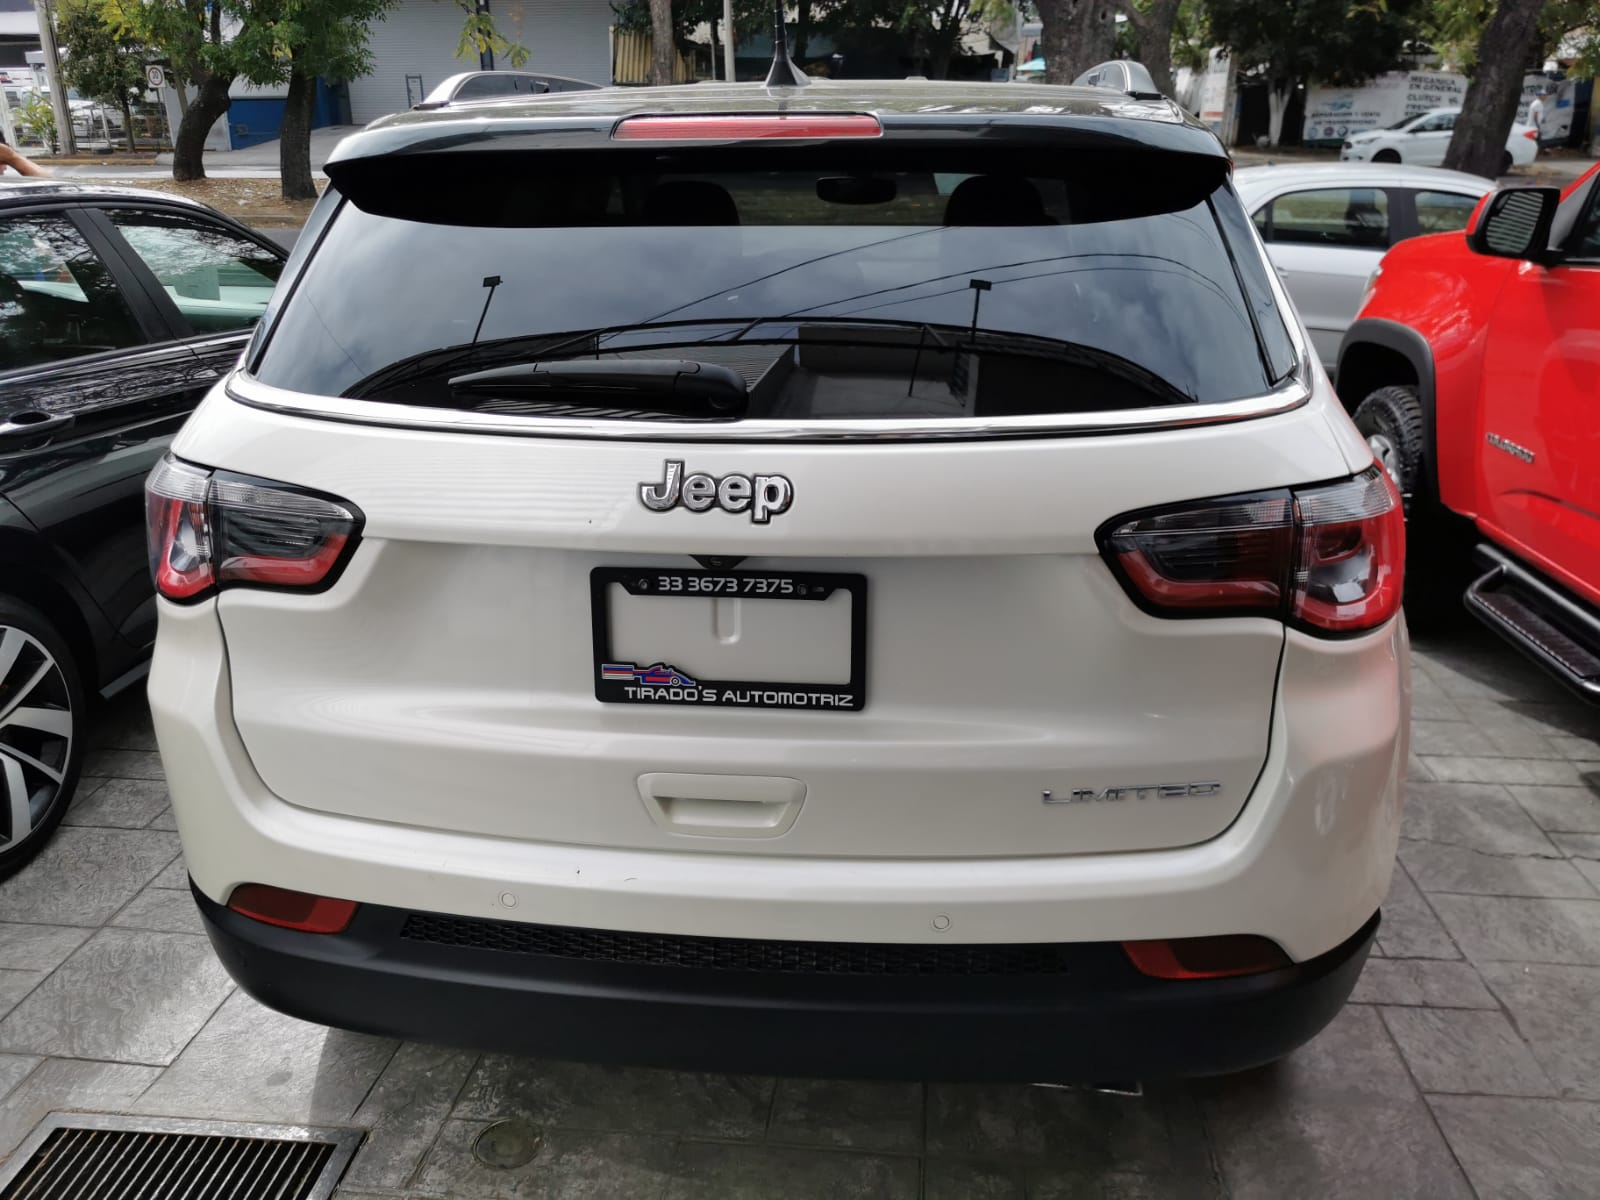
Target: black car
[(118, 309)]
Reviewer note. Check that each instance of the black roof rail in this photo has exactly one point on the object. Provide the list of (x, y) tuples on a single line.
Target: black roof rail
[(1121, 75), (496, 85)]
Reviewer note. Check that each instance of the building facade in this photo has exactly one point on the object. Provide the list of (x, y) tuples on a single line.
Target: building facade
[(414, 48)]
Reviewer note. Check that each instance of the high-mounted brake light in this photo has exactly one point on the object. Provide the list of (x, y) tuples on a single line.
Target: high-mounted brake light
[(1329, 559), (741, 128), (214, 529)]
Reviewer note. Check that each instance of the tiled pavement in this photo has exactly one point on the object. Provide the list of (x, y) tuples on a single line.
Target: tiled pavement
[(1469, 1062)]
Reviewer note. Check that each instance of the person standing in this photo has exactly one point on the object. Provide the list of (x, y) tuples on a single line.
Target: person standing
[(1536, 118)]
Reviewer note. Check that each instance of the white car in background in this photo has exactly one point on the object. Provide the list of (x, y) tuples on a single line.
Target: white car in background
[(1422, 139), (1327, 225)]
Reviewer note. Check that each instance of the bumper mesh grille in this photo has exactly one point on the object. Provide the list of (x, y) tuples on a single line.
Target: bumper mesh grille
[(738, 954), (130, 1164)]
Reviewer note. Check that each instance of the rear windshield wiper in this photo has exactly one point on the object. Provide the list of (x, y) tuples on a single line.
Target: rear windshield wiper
[(545, 349), (674, 384)]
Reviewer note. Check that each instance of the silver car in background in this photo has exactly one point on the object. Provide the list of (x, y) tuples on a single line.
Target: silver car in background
[(1327, 225)]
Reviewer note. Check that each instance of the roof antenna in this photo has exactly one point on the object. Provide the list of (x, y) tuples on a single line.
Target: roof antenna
[(783, 72)]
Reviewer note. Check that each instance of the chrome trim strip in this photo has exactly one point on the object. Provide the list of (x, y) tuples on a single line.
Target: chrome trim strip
[(1292, 394)]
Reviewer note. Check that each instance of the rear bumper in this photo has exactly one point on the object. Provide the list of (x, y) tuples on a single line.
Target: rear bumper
[(1098, 1020)]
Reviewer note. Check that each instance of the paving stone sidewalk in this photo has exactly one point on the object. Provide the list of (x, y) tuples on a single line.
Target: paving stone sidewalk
[(1469, 1063)]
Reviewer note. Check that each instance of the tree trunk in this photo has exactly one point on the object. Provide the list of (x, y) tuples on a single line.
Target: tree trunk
[(1153, 28), (188, 147), (661, 47), (1077, 34), (1489, 108), (1279, 93), (802, 31), (127, 125), (294, 136)]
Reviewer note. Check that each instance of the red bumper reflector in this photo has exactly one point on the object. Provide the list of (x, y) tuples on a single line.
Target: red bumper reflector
[(738, 128), (1206, 957), (291, 910)]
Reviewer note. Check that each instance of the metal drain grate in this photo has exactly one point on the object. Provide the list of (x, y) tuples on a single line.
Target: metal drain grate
[(85, 1156)]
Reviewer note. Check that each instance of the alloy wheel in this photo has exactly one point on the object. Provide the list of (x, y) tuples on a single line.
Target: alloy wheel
[(36, 729)]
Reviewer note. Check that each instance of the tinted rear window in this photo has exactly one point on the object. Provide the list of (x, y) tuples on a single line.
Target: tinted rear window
[(913, 287)]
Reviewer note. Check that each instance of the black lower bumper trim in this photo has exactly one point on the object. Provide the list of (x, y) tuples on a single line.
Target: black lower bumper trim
[(1099, 1020)]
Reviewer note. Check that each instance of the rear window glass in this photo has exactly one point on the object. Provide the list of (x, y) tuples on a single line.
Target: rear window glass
[(902, 289)]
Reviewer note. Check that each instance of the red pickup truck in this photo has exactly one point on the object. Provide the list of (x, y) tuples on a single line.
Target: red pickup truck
[(1473, 371)]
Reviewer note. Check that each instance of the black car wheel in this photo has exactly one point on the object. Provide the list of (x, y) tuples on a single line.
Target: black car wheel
[(1437, 552), (1505, 163), (1386, 156), (1391, 421), (41, 731)]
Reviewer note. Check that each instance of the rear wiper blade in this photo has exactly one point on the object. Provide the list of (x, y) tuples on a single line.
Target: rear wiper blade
[(677, 384)]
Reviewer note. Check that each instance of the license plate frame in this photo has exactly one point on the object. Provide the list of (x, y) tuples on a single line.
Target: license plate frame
[(672, 687)]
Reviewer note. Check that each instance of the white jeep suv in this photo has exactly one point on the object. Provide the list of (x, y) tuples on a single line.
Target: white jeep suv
[(864, 580)]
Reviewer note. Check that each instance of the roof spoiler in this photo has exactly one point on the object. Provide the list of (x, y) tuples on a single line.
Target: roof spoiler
[(493, 85), (1121, 75)]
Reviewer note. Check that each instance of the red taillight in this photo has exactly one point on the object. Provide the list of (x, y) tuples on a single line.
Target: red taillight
[(214, 529), (1329, 558), (740, 128), (1531, 134), (291, 910), (177, 530), (1206, 957), (1350, 563)]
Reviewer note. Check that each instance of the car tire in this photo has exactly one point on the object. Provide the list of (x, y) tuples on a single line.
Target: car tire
[(1505, 162), (1438, 563), (42, 733), (1390, 419), (1386, 156)]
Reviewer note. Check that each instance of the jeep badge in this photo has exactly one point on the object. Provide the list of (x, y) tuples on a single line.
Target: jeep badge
[(765, 496)]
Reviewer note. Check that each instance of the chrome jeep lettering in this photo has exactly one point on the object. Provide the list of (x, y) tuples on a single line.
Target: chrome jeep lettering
[(664, 495), (763, 496)]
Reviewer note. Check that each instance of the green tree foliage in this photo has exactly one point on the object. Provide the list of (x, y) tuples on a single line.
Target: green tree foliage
[(480, 35), (102, 62), (313, 39), (1453, 28), (1191, 35), (929, 31), (210, 43), (1286, 43), (36, 121)]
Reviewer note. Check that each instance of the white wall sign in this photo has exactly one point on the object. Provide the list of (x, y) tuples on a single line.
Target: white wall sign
[(1333, 114), (1216, 94)]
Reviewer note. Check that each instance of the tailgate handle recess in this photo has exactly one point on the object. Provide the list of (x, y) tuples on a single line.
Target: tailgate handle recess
[(749, 806)]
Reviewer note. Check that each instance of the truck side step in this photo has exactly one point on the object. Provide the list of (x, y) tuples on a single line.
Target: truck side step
[(1558, 632)]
